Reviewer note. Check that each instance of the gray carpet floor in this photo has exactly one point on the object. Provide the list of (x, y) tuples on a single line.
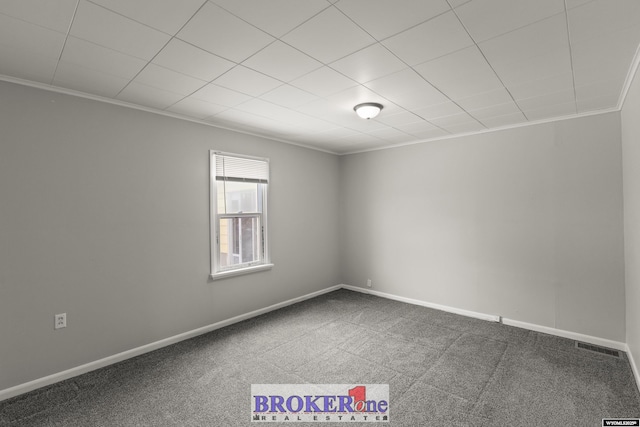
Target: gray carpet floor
[(442, 370)]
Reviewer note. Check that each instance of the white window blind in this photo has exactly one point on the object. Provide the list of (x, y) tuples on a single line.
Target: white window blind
[(232, 168)]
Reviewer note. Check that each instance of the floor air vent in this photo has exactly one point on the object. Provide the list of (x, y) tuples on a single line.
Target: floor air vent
[(598, 349)]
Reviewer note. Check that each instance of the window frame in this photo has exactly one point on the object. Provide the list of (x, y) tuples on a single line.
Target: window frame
[(264, 262)]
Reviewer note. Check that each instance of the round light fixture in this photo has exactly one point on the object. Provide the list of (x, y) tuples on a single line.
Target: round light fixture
[(368, 110)]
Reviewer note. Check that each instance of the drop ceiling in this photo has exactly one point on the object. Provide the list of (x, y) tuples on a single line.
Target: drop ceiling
[(293, 70)]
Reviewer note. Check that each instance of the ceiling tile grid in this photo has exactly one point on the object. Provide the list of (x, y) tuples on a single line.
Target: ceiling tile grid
[(294, 71)]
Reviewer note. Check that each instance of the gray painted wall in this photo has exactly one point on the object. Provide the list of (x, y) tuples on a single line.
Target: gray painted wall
[(631, 173), (104, 216), (524, 223)]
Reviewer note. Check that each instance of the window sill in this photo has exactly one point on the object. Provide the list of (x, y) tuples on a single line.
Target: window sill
[(241, 271)]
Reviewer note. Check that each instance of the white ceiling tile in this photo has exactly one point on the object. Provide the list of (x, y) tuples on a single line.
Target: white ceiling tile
[(352, 121), (219, 32), (30, 39), (358, 140), (108, 29), (321, 108), (486, 99), (439, 110), (25, 65), (599, 18), (351, 97), (532, 69), (599, 89), (391, 135), (458, 3), (542, 85), (541, 38), (407, 89), (324, 138), (508, 108), (369, 63), (592, 104), (192, 61), (247, 81), (607, 57), (432, 39), (288, 96), (323, 82), (430, 134), (279, 93), (196, 108), (164, 15), (505, 120), (220, 95), (282, 62), (73, 76), (250, 122), (306, 124), (148, 96), (460, 74), (545, 73), (28, 51), (424, 96), (551, 111), (575, 3), (338, 132), (563, 97), (54, 15), (465, 127), (401, 118), (417, 127), (489, 18), (95, 57), (373, 15), (276, 17), (166, 79), (611, 70), (454, 120), (300, 136), (328, 36)]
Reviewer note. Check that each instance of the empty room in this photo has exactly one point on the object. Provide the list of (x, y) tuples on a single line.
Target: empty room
[(235, 212)]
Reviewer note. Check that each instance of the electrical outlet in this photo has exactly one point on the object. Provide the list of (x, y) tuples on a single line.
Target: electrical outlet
[(60, 321), (369, 283)]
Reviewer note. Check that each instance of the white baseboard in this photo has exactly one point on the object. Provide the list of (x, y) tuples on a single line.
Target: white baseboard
[(493, 318), (603, 342), (110, 360), (79, 370), (474, 314), (634, 367)]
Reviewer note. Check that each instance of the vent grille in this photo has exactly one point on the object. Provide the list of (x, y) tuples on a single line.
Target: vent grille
[(597, 349)]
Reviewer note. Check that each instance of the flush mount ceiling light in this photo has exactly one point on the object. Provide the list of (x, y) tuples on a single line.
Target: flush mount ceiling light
[(368, 110)]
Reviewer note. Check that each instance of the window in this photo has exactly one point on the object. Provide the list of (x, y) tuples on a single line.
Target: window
[(238, 214)]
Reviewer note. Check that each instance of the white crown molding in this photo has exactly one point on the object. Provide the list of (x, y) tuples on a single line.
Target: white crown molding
[(71, 92), (629, 79), (120, 103), (497, 129)]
